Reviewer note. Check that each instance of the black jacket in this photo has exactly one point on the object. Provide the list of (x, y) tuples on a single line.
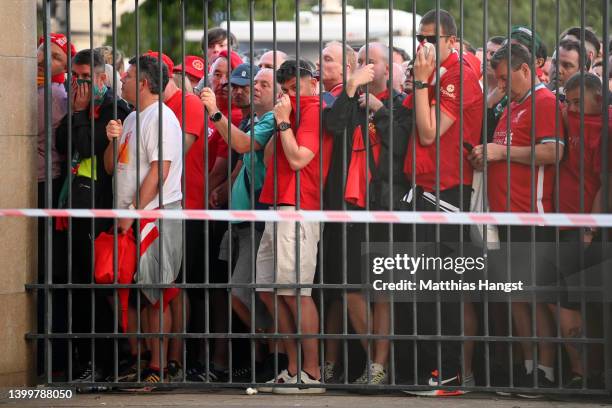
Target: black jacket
[(345, 114), (81, 144)]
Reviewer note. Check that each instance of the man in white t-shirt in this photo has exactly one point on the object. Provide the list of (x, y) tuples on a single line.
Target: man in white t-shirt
[(157, 266)]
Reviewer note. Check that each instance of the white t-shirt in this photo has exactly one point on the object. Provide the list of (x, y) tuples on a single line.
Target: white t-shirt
[(171, 144)]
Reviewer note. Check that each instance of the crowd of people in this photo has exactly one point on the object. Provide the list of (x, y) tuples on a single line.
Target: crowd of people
[(387, 133)]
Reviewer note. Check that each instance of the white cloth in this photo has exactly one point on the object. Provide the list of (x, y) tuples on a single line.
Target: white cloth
[(149, 152), (477, 205)]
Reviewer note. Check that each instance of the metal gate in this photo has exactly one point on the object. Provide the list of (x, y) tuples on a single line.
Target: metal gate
[(549, 337)]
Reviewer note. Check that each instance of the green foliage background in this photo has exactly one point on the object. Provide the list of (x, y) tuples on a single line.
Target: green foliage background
[(473, 11)]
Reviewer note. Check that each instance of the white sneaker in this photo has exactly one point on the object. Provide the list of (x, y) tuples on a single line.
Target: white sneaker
[(303, 386), (282, 378)]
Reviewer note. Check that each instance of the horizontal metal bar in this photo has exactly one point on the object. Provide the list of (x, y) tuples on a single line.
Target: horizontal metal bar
[(348, 336), (348, 386), (347, 286)]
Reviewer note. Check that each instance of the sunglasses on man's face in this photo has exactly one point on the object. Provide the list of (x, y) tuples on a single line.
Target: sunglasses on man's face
[(430, 38)]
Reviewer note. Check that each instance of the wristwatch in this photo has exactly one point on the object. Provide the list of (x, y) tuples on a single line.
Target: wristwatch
[(215, 117), (420, 84), (283, 126)]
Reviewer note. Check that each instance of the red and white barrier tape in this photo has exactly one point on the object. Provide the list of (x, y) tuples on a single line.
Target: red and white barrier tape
[(394, 217)]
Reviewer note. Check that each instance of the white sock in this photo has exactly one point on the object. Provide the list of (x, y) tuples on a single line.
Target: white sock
[(548, 371), (529, 366)]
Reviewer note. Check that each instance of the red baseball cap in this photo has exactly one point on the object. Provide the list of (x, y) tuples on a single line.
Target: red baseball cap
[(194, 66), (234, 58), (166, 59), (61, 41)]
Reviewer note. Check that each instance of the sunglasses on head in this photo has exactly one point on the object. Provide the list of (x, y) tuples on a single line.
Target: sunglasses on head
[(430, 38)]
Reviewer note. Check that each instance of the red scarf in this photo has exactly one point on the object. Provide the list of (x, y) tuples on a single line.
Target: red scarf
[(356, 182)]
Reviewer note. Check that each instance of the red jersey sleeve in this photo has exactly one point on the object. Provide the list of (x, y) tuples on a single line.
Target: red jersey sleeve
[(194, 116), (449, 94)]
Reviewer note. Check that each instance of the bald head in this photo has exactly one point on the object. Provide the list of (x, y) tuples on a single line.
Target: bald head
[(379, 49), (331, 67), (267, 59), (378, 56)]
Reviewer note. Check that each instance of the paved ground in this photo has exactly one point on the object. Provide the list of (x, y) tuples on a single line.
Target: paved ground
[(235, 398)]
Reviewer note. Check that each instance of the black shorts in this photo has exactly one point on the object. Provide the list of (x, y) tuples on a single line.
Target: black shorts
[(527, 255)]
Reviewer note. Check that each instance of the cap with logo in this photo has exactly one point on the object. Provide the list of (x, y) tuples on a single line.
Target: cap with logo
[(61, 41), (194, 66), (242, 74)]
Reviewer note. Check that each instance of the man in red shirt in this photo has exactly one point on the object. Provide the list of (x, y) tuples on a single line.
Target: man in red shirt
[(524, 196), (298, 154), (573, 240), (453, 185)]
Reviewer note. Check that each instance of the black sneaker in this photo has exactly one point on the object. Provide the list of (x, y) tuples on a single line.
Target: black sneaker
[(527, 381), (175, 371), (90, 376), (198, 373), (242, 375)]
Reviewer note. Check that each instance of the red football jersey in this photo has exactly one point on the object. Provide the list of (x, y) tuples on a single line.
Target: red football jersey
[(520, 175), (450, 150)]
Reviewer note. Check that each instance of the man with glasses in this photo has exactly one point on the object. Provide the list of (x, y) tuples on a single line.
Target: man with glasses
[(453, 186)]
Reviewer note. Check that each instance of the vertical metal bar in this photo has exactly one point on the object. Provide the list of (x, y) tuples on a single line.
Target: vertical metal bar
[(92, 197), (228, 183), (206, 204), (367, 194), (391, 101), (460, 153), (605, 140), (115, 250), (437, 92), (557, 187), (138, 252), (582, 56), (48, 191), (275, 203), (252, 185), (321, 252), (160, 186), (509, 191), (184, 188), (298, 325), (412, 152), (485, 30), (69, 170), (344, 229), (533, 195)]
